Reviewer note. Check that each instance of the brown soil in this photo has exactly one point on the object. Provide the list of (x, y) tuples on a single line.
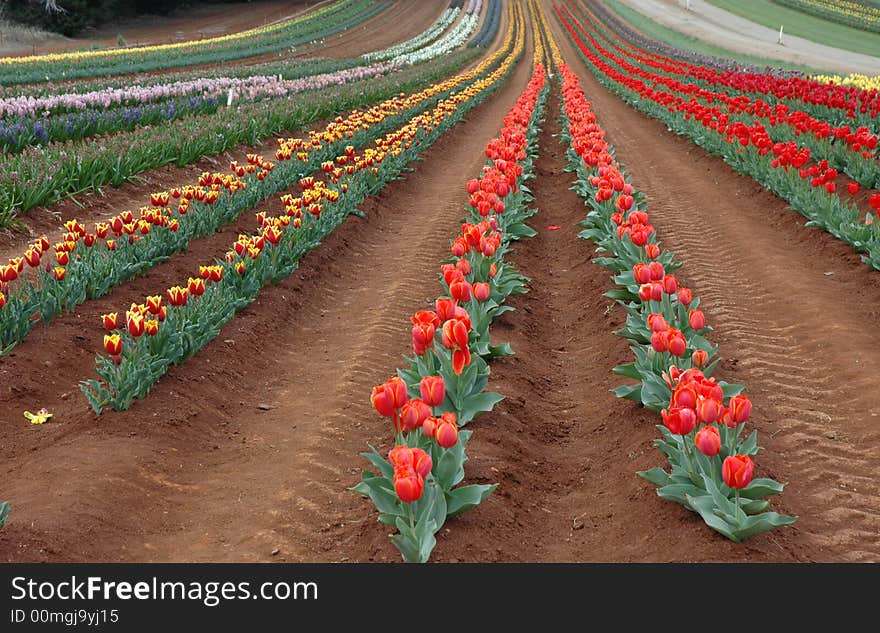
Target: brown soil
[(250, 447)]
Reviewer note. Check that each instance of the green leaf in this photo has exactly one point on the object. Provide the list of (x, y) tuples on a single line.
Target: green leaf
[(467, 497), (656, 476), (760, 488), (630, 392), (472, 405), (630, 371), (5, 509)]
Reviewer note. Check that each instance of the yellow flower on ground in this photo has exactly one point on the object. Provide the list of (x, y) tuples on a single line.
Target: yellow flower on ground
[(39, 417)]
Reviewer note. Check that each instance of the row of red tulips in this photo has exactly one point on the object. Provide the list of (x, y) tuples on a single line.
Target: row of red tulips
[(168, 330), (783, 168), (417, 487), (703, 418)]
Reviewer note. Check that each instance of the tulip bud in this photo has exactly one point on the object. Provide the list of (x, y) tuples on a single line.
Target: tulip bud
[(429, 427), (113, 344), (408, 486), (460, 290), (740, 409), (59, 273), (135, 323), (110, 321), (657, 323), (676, 343), (446, 432), (196, 286), (645, 292), (680, 421), (737, 471), (659, 342), (657, 271), (670, 284), (413, 414), (652, 251), (685, 296), (708, 409), (708, 441), (433, 390), (482, 291), (697, 319), (642, 274), (700, 357), (151, 327)]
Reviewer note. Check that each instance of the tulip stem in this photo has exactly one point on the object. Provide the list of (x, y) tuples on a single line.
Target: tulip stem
[(736, 500), (412, 518)]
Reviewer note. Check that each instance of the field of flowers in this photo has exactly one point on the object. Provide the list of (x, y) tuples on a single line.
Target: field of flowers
[(197, 357)]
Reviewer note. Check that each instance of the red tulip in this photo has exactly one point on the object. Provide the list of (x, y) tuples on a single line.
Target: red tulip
[(154, 304), (59, 273), (685, 296), (455, 334), (460, 290), (740, 409), (697, 319), (460, 359), (652, 251), (684, 395), (445, 308), (422, 338), (656, 270), (8, 273), (645, 292), (659, 342), (32, 257), (2, 300), (642, 273), (135, 323), (852, 188), (446, 432), (737, 471), (679, 421), (676, 342), (429, 427), (272, 235), (708, 440), (708, 409), (670, 284), (113, 344), (413, 413), (151, 327), (433, 390), (177, 296), (657, 323), (110, 321), (408, 486), (482, 291), (195, 286), (425, 317), (700, 357)]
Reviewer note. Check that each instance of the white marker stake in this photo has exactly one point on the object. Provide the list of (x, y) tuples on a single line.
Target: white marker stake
[(229, 98), (780, 35), (687, 5)]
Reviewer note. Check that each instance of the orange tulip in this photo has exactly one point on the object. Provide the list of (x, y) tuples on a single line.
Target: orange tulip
[(433, 390), (708, 441), (446, 432), (413, 414), (737, 471)]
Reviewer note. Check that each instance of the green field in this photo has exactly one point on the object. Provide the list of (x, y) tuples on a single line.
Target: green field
[(647, 26), (803, 25)]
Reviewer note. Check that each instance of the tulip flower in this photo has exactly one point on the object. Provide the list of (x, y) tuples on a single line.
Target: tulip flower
[(708, 409), (195, 286), (113, 344), (388, 397), (659, 342), (460, 290), (697, 319), (59, 272), (642, 274), (422, 338), (32, 257), (408, 486), (657, 323), (676, 342), (700, 357), (852, 188), (433, 390), (685, 296), (652, 251), (110, 321), (482, 291), (740, 409), (135, 323), (177, 296), (2, 300), (413, 414), (446, 431), (8, 273), (656, 270), (679, 421), (445, 308), (154, 304), (455, 334), (670, 284), (708, 441), (737, 471), (151, 327)]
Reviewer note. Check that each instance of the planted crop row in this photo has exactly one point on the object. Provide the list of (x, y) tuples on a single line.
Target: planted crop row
[(195, 312), (417, 487), (41, 176), (486, 34), (710, 457), (87, 264), (312, 26), (781, 167)]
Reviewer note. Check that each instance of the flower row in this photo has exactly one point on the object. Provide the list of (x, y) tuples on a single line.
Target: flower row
[(425, 37), (810, 188), (168, 329), (417, 487), (703, 418), (87, 264)]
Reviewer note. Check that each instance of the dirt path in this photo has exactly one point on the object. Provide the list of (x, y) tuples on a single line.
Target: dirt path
[(794, 312), (250, 446), (722, 28)]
